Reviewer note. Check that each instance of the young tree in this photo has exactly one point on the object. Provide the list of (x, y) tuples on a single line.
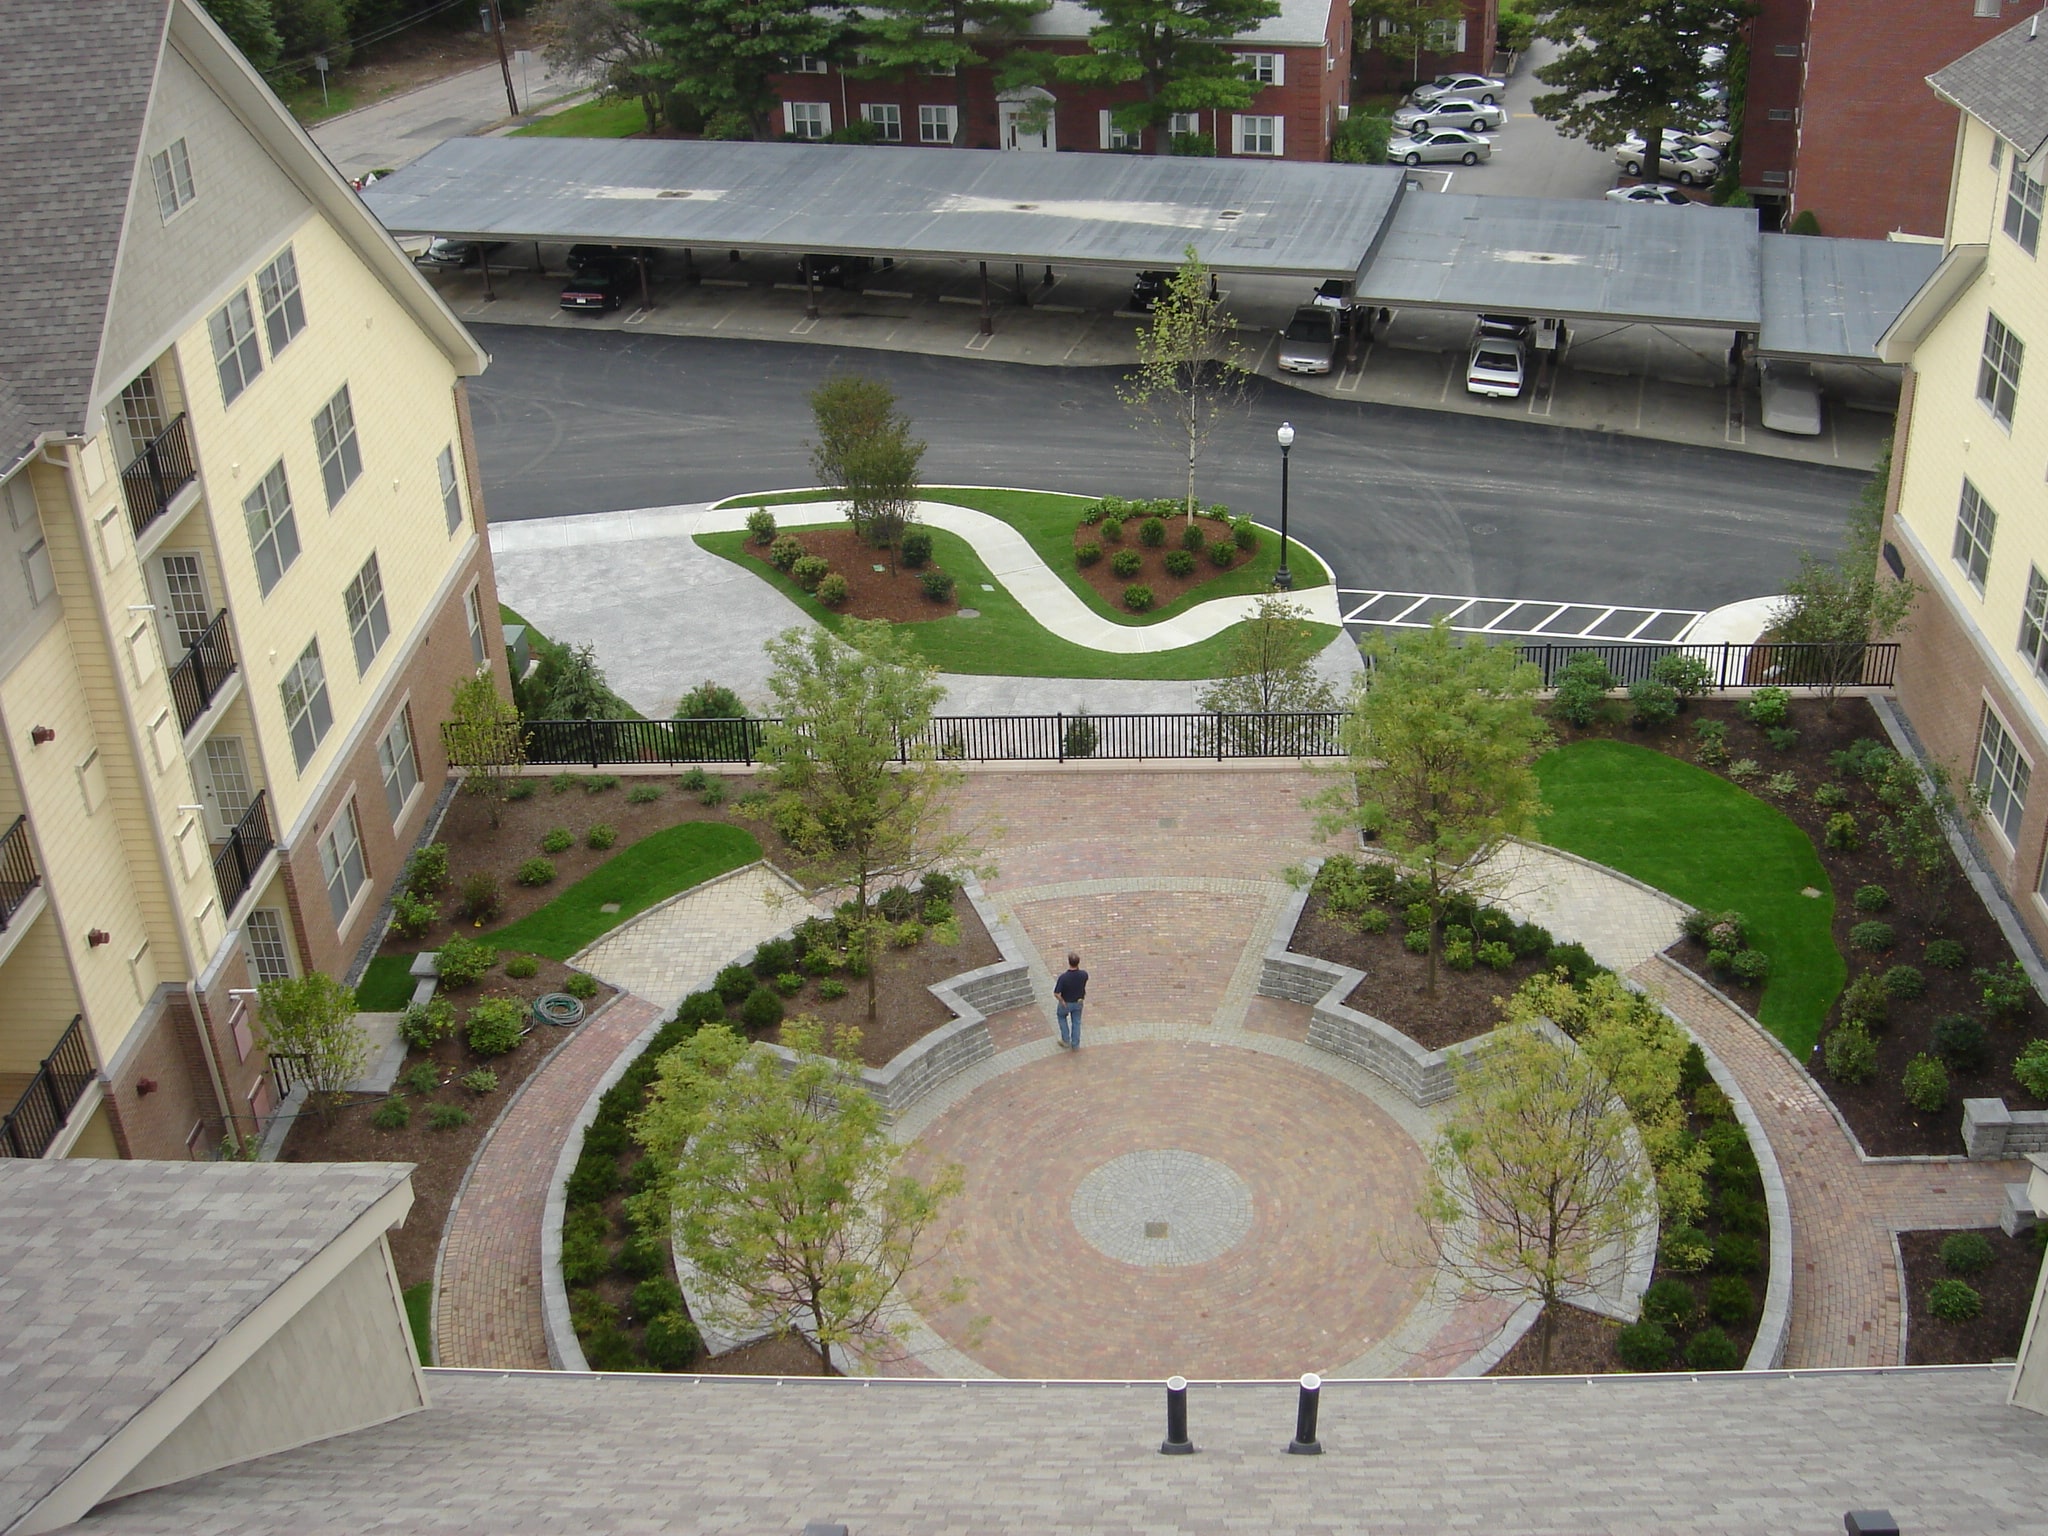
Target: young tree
[(249, 27), (602, 41), (1192, 370), (1532, 1190), (311, 1019), (1404, 30), (784, 1191), (1269, 669), (865, 450), (1174, 51), (1442, 740), (720, 53), (855, 792), (939, 37), (484, 740)]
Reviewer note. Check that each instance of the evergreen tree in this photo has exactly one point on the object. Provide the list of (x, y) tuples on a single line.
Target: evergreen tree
[(897, 36), (1174, 51), (719, 54)]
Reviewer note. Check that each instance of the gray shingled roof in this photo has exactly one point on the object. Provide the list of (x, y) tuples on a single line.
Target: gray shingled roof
[(1778, 1452), (2005, 85), (115, 1277), (74, 88)]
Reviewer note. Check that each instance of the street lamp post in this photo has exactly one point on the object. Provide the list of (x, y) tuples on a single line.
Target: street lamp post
[(1284, 578)]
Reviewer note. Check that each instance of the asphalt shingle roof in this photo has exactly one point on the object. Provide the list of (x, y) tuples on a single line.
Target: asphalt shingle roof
[(115, 1277), (74, 89), (2005, 85)]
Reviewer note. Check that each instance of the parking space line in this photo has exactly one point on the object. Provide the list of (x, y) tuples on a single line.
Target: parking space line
[(979, 341), (1510, 618), (1352, 377), (803, 327)]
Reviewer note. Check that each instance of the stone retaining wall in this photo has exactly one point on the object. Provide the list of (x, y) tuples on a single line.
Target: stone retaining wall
[(1991, 1131)]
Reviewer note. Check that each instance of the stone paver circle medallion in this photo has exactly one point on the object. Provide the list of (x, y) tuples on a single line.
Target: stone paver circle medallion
[(1165, 1207)]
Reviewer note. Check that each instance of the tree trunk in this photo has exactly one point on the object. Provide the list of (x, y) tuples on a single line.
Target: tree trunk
[(1543, 1338), (825, 1350), (1653, 153), (959, 82), (1435, 939)]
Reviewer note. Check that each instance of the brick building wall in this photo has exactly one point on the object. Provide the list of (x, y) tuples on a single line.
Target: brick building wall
[(1377, 72), (1770, 118)]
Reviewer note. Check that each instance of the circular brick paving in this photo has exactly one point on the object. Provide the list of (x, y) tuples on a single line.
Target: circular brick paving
[(1163, 1208)]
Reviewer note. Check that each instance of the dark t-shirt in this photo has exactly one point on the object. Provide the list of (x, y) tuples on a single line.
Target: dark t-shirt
[(1071, 987)]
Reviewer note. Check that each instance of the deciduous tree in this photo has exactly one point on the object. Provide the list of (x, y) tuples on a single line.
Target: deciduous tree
[(484, 740), (940, 37), (1269, 668), (602, 41), (865, 450), (1173, 50), (720, 53), (311, 1019), (1192, 370), (249, 26), (1404, 30)]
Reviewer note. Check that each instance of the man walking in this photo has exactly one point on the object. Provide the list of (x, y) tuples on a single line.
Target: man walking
[(1070, 989)]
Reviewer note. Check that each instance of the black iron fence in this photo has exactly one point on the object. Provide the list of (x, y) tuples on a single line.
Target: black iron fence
[(156, 475), (197, 679), (60, 1082), (1763, 664), (236, 860), (18, 872)]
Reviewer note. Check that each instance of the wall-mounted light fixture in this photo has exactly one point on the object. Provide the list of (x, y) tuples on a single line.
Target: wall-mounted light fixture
[(144, 1087), (41, 734), (95, 937)]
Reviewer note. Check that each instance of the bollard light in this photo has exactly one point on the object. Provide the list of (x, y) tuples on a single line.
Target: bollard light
[(1177, 1442), (1304, 1442)]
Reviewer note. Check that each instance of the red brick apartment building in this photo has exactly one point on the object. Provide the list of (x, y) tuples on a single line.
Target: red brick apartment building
[(1839, 120), (1301, 57)]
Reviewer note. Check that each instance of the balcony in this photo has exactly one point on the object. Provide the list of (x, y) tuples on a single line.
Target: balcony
[(48, 1096), (241, 854), (19, 876), (197, 680), (152, 481)]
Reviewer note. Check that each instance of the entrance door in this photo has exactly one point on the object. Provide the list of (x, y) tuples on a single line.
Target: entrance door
[(224, 784), (1028, 124), (185, 611)]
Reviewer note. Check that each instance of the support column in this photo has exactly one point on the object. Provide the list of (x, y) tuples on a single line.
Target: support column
[(988, 324), (1023, 293), (810, 290), (483, 259), (690, 273), (646, 298)]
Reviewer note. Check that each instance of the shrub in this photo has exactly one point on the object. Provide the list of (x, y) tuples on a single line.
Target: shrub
[(557, 840), (496, 1025), (899, 903), (1904, 982), (1730, 1300), (1192, 539), (1959, 1040), (710, 700), (1416, 941), (761, 526), (426, 870), (693, 779), (423, 1025), (1222, 554), (536, 872), (1244, 533), (481, 898), (522, 789), (809, 571), (1782, 738), (1581, 686), (733, 984), (1652, 703), (1112, 530), (936, 585), (1712, 1350), (789, 983), (671, 1341), (714, 793), (785, 552), (412, 916), (1493, 954), (447, 1117), (1768, 707), (774, 957), (394, 1114), (423, 1079), (1575, 960), (914, 549), (2030, 1068), (906, 935), (1687, 676), (1670, 1303), (1946, 954), (1871, 898), (832, 591), (1126, 562), (1865, 1001), (1830, 797), (2006, 989), (462, 962), (1875, 936), (562, 783), (1864, 759), (1138, 597), (1954, 1301), (1782, 785), (655, 1295), (1458, 954), (1738, 1213), (1750, 965), (1842, 833), (1717, 930), (1710, 1103), (480, 1080), (1152, 533), (1217, 512), (1967, 1253), (1087, 554), (699, 1008), (1684, 1250), (1850, 1054), (1710, 741), (585, 1258), (1925, 1083), (1735, 1254), (1179, 562), (762, 1009), (1643, 1347), (580, 985), (831, 988), (1743, 769)]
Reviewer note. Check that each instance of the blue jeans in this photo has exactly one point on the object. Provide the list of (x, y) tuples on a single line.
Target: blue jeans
[(1069, 1014)]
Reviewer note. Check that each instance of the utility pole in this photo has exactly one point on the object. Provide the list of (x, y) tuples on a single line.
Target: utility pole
[(504, 63)]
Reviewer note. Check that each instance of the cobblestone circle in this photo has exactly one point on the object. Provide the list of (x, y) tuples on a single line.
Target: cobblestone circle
[(1163, 1209)]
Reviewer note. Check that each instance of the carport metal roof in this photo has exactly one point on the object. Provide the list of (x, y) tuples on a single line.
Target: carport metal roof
[(1829, 300), (1311, 221)]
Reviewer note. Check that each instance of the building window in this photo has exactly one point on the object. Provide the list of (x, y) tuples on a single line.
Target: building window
[(235, 352), (35, 567), (2034, 621), (1447, 36), (334, 435), (284, 312), (341, 861), (810, 64), (1998, 376), (1781, 114), (1258, 135), (1114, 137), (1266, 68), (273, 531), (806, 119), (451, 492), (399, 765), (1989, 9), (172, 169), (1975, 523), (306, 710), (1787, 50), (939, 71), (269, 956), (2002, 775), (887, 118), (935, 125), (1178, 123), (1774, 178), (368, 623), (2023, 208), (473, 611)]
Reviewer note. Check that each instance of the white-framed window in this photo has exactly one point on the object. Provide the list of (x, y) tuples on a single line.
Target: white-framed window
[(451, 490), (369, 625), (273, 531), (1266, 68), (341, 861), (1781, 114), (270, 956), (307, 713), (171, 169), (1257, 135), (35, 569), (398, 763), (887, 118), (806, 119), (1183, 122), (21, 502), (284, 310), (938, 71), (935, 124), (1998, 375), (1114, 137), (334, 437), (1975, 524), (1446, 36), (1989, 9), (2034, 622), (809, 64), (473, 612), (236, 354), (2002, 774), (2023, 208), (1997, 152)]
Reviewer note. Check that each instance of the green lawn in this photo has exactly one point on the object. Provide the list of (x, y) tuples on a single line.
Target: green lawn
[(419, 1311), (589, 120), (1006, 640), (652, 870), (1701, 839), (387, 985)]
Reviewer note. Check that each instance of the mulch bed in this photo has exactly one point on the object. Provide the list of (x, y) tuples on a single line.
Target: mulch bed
[(2007, 1288), (1152, 572), (1883, 1121), (1581, 1344), (441, 1157), (894, 592)]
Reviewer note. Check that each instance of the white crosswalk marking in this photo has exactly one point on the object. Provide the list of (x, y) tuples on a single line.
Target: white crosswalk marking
[(1538, 619)]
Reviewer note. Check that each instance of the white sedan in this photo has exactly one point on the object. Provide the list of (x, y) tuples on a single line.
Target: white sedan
[(1446, 146), (1650, 192), (1687, 167), (1464, 111)]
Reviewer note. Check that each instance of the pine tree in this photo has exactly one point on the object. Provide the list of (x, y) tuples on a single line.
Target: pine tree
[(1174, 50), (897, 36)]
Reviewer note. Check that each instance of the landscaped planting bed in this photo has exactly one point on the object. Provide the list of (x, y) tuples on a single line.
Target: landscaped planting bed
[(1153, 547), (1968, 1294), (909, 586)]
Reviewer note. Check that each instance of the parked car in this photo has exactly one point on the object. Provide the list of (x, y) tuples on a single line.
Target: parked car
[(1791, 398), (1649, 192), (1483, 88), (834, 271), (597, 289), (1445, 111), (602, 258), (1687, 167), (1309, 344), (1509, 327), (1446, 146), (1674, 139), (1499, 368), (1335, 293), (454, 255), (1147, 289)]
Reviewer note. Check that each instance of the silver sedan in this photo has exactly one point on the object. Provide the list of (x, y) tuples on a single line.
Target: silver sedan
[(1446, 146), (1484, 88), (1687, 167), (1442, 113)]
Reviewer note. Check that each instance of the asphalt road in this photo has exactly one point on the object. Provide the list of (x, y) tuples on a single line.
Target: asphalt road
[(1396, 499)]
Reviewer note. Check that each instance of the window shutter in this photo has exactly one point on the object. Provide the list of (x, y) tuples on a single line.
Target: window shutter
[(1237, 133), (1105, 128), (1279, 135), (1279, 69), (789, 118)]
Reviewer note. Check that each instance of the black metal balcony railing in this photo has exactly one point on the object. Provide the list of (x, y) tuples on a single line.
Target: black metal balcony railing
[(18, 873), (157, 474), (198, 678), (236, 860), (60, 1082)]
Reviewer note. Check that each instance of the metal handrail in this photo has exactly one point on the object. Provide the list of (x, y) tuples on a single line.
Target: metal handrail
[(199, 675), (241, 854), (18, 873), (154, 476), (60, 1082)]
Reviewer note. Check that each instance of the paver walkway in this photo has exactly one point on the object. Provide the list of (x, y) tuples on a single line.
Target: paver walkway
[(671, 950)]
